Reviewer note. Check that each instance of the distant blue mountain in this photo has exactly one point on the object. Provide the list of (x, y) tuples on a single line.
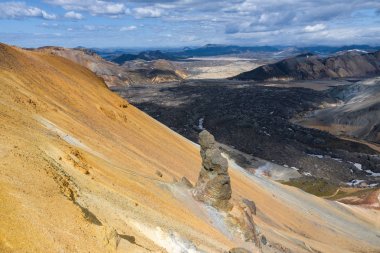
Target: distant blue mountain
[(121, 56)]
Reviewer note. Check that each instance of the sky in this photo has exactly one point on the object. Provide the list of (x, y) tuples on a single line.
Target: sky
[(180, 23)]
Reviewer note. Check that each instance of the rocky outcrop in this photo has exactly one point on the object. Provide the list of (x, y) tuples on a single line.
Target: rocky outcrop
[(241, 219), (213, 186)]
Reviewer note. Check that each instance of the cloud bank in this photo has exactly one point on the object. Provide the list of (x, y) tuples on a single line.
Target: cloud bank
[(253, 22)]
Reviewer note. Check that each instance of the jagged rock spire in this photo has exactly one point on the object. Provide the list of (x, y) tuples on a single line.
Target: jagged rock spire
[(213, 186)]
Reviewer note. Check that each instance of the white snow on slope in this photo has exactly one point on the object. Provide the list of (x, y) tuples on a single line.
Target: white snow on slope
[(373, 174), (200, 123), (358, 166)]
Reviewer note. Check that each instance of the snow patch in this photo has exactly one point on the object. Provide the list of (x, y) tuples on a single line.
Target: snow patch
[(358, 50), (353, 50), (318, 156), (355, 182), (200, 123), (358, 166), (373, 174)]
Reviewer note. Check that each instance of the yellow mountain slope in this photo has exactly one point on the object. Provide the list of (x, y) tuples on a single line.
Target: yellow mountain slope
[(81, 170)]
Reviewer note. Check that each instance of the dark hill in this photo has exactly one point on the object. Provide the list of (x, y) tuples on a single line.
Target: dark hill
[(308, 67), (146, 56)]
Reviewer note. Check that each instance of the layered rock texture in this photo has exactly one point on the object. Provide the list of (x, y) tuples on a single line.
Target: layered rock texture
[(308, 66), (214, 184)]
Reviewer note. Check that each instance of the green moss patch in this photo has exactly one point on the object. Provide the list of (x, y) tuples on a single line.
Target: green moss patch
[(317, 186)]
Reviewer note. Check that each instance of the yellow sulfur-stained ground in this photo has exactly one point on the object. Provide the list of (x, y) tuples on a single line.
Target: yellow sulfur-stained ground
[(78, 164)]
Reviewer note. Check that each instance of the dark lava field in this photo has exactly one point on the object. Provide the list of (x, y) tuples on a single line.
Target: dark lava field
[(255, 119)]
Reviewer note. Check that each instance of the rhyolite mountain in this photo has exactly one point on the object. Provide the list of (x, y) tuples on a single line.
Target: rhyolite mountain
[(115, 75), (357, 114), (82, 170), (309, 66)]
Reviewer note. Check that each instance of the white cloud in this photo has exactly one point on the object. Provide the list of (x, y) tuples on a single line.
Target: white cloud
[(128, 28), (14, 10), (94, 7), (98, 28), (73, 15), (90, 27), (188, 38), (148, 12), (107, 8), (290, 22), (314, 28), (50, 24)]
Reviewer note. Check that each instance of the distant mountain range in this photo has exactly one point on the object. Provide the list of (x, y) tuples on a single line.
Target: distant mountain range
[(121, 56), (352, 63)]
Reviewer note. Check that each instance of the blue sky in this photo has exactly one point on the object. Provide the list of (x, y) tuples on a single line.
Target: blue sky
[(178, 23)]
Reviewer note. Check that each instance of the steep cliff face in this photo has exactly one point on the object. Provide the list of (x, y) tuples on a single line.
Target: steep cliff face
[(79, 173), (308, 67)]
